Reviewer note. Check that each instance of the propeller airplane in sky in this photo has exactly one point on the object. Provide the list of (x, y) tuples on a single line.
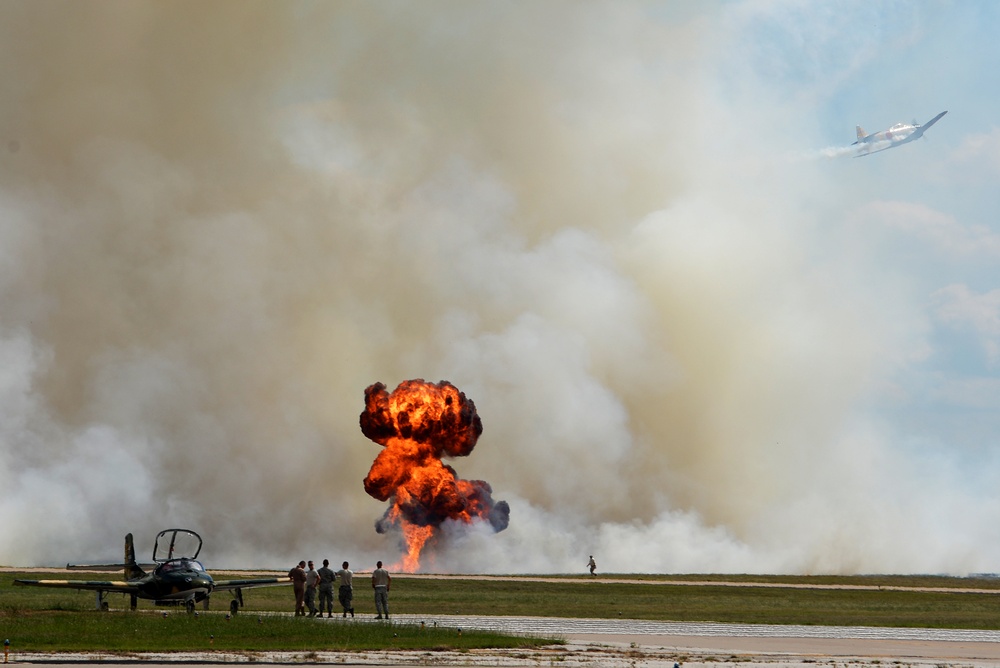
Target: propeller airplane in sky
[(897, 135)]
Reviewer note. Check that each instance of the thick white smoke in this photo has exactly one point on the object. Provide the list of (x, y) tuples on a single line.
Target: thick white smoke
[(221, 221)]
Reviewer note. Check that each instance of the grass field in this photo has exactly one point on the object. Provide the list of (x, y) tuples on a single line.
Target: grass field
[(707, 603), (630, 598), (63, 619)]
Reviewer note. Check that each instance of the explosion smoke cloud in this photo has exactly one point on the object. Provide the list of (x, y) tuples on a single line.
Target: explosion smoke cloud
[(224, 218), (417, 424)]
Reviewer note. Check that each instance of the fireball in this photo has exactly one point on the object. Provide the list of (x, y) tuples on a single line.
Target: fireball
[(418, 424)]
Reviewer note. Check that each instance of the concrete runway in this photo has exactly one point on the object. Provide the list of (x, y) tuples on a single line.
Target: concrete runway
[(632, 643), (748, 639)]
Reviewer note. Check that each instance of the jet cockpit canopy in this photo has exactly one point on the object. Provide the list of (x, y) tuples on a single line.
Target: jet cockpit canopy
[(176, 544), (182, 564)]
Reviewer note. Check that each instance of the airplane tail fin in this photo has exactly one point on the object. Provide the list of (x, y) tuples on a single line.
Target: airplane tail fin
[(132, 570), (861, 132)]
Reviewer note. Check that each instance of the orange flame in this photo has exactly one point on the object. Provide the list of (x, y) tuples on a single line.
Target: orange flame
[(418, 424)]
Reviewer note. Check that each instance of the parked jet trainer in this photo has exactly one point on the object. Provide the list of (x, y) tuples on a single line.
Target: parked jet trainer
[(897, 135), (177, 579)]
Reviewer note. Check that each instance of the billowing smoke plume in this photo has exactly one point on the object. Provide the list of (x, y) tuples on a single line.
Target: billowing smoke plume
[(220, 219), (417, 425)]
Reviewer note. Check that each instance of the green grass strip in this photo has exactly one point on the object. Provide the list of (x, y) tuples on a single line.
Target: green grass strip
[(150, 631), (591, 598)]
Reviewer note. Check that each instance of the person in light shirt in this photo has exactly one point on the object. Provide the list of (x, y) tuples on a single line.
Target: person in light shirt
[(312, 579), (346, 593), (380, 583)]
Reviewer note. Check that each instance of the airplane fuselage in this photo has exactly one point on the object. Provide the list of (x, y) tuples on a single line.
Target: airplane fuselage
[(900, 133), (176, 580)]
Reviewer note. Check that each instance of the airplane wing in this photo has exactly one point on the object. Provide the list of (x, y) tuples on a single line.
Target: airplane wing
[(934, 120), (92, 585), (248, 584), (873, 147)]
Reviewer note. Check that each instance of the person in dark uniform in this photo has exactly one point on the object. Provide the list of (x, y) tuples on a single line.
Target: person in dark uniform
[(326, 580), (298, 577)]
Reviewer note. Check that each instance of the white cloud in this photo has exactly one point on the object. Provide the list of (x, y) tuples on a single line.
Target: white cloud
[(981, 153), (939, 229), (958, 306), (976, 393)]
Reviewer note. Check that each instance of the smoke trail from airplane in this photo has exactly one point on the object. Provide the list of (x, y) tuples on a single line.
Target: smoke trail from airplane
[(833, 152), (854, 150), (839, 152), (223, 219)]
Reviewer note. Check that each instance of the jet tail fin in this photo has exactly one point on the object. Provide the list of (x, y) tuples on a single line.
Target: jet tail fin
[(132, 570), (861, 132)]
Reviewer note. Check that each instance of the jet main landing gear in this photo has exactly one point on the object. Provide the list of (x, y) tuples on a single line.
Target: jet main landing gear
[(237, 602)]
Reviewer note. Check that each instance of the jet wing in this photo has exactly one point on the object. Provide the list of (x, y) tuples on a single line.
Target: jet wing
[(248, 584), (92, 585)]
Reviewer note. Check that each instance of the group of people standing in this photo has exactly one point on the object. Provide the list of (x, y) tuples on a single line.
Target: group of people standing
[(307, 583)]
